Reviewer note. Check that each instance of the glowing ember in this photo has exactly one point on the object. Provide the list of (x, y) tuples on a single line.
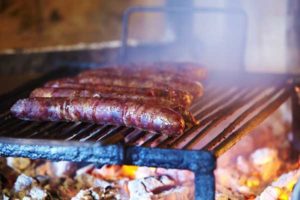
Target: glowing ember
[(281, 188), (252, 167)]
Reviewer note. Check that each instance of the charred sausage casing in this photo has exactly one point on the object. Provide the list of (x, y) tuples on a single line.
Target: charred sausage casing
[(166, 70), (195, 89), (74, 93), (183, 98), (101, 111)]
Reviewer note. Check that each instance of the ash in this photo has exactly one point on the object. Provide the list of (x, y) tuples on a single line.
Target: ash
[(22, 178)]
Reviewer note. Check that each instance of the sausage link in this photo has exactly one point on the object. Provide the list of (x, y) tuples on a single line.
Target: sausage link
[(74, 93), (183, 98), (101, 110)]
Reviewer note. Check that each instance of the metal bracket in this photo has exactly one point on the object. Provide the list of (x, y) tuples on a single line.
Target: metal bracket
[(202, 163)]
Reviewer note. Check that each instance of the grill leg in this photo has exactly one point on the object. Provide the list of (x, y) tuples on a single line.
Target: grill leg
[(295, 122), (204, 186)]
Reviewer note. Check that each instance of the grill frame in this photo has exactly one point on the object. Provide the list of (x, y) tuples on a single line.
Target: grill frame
[(201, 162)]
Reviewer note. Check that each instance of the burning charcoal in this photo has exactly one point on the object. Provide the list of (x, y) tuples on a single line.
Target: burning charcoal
[(29, 188), (63, 168), (19, 164), (151, 188), (282, 187), (3, 162), (267, 162), (8, 176), (143, 172), (243, 165), (38, 193), (109, 172), (167, 180), (43, 169), (97, 193), (158, 184), (42, 180), (85, 170), (180, 176), (65, 187), (4, 197), (270, 193), (22, 186), (101, 183), (137, 189), (86, 195), (85, 180), (23, 182)]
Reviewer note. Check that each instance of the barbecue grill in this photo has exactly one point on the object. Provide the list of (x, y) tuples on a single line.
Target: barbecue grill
[(227, 112)]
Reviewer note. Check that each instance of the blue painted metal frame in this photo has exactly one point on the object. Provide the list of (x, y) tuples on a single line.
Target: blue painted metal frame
[(202, 163), (138, 9)]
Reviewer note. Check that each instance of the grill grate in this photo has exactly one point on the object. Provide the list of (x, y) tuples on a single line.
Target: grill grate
[(226, 112)]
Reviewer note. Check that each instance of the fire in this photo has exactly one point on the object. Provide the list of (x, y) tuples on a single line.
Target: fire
[(260, 164), (285, 193), (114, 172), (282, 187), (252, 182), (128, 171)]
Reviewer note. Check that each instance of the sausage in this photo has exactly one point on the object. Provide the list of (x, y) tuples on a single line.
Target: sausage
[(183, 98), (74, 93), (166, 70), (130, 113), (195, 89), (156, 80)]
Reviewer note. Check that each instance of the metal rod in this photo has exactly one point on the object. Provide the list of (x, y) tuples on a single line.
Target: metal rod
[(219, 103), (234, 12), (215, 113), (252, 123)]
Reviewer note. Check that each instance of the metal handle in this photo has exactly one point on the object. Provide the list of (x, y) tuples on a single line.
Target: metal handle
[(138, 9)]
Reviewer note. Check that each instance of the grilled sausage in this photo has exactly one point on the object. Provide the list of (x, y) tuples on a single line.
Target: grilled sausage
[(150, 80), (195, 89), (101, 110), (183, 98), (187, 71), (74, 93)]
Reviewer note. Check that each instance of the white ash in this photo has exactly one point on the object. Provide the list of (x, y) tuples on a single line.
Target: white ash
[(86, 195), (27, 187), (38, 193), (63, 168), (158, 188), (263, 156), (97, 193), (23, 182)]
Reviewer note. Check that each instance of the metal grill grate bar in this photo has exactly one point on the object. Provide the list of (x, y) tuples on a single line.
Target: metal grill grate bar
[(260, 102), (221, 116), (252, 123)]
